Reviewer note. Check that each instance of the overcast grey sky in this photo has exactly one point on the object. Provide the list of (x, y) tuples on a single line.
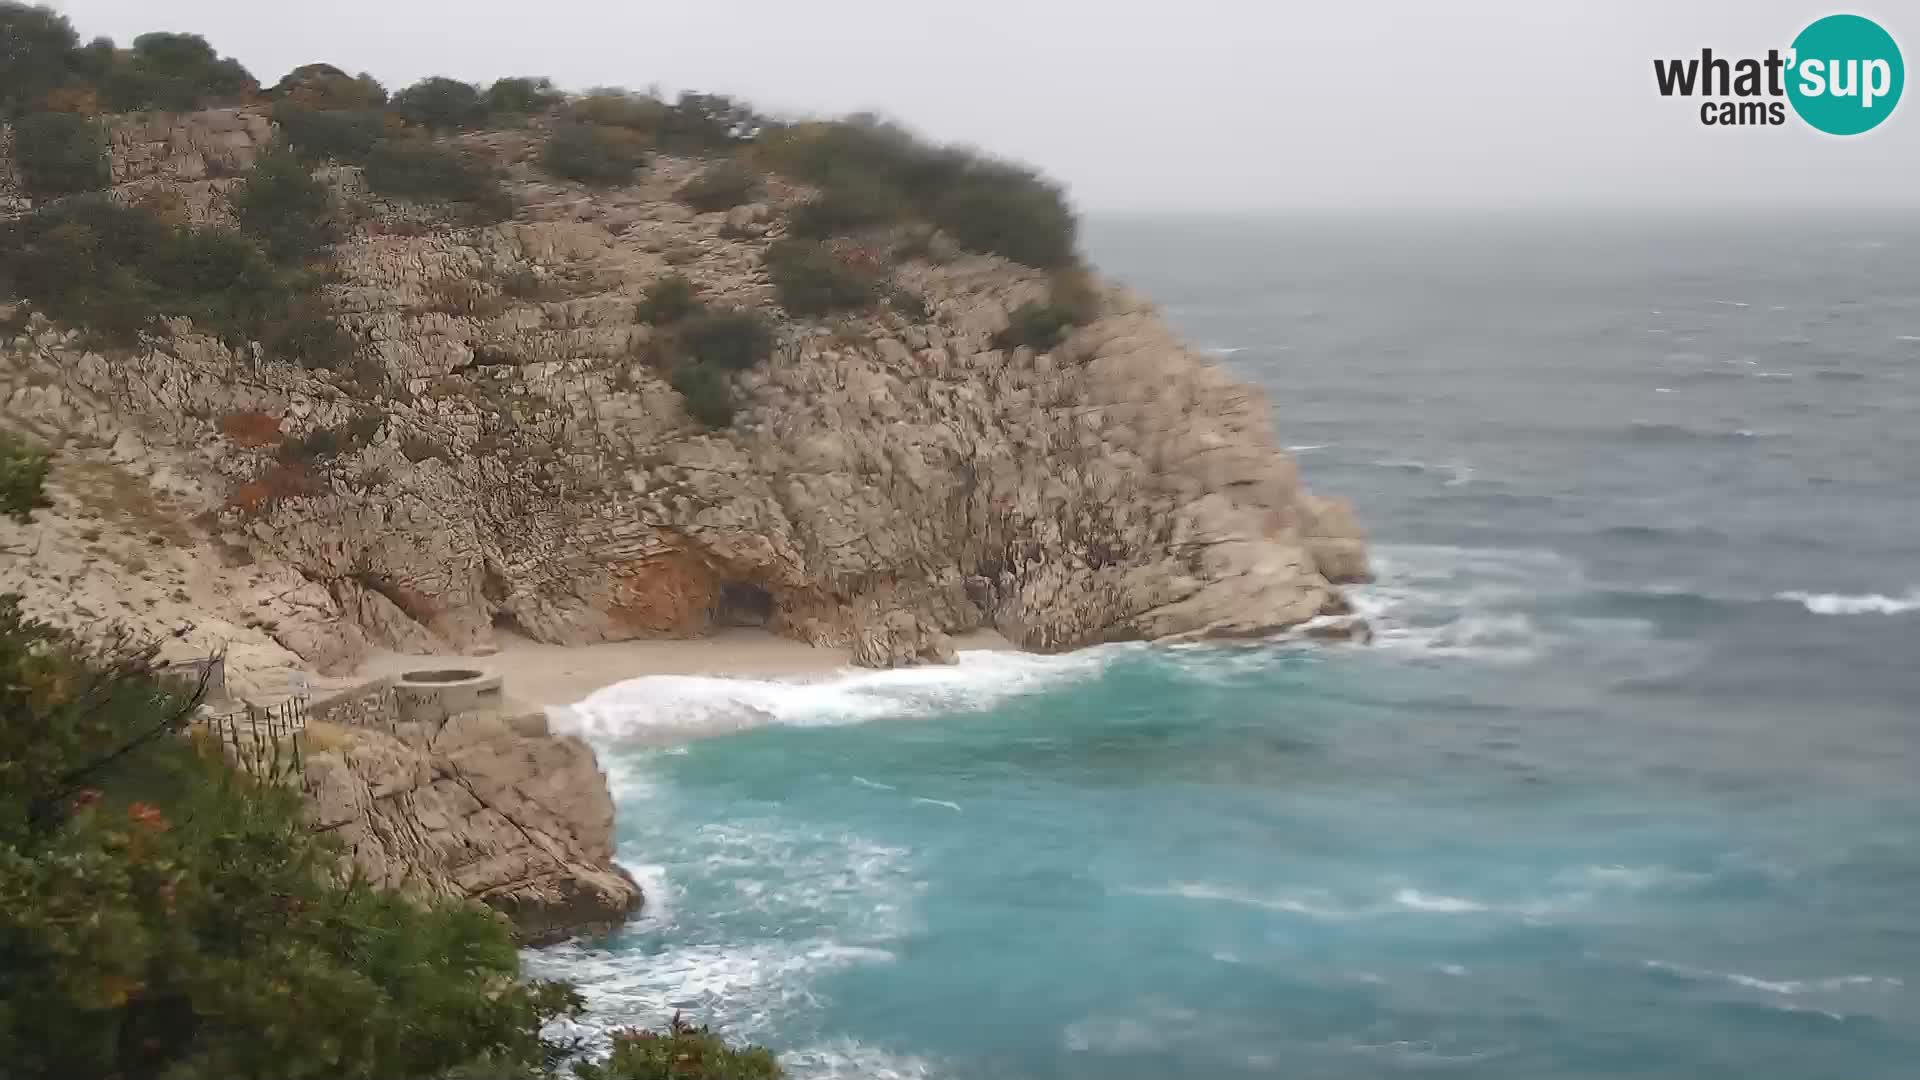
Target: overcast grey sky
[(1211, 104)]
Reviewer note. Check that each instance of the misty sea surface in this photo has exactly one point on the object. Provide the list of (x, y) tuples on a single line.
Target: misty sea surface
[(1628, 786)]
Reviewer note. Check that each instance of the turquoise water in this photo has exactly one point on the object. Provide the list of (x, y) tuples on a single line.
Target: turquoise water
[(1626, 789)]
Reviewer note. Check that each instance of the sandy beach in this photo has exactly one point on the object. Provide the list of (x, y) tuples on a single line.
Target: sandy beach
[(554, 675)]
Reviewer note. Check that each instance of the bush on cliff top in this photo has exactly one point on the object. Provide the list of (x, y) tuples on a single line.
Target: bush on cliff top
[(522, 96), (175, 72), (60, 154), (986, 204), (441, 104), (41, 57)]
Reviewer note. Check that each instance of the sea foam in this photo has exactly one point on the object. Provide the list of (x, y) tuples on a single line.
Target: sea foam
[(675, 707), (1860, 604)]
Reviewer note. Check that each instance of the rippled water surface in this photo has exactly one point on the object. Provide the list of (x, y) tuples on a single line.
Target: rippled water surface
[(1630, 785)]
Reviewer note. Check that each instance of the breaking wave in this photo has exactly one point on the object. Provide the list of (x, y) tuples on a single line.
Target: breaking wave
[(670, 708), (1856, 604)]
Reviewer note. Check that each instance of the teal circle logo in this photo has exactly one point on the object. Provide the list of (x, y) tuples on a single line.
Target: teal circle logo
[(1846, 74)]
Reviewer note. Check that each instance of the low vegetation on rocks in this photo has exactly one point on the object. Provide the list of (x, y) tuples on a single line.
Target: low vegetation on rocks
[(812, 278), (433, 172), (669, 299), (594, 155), (114, 270), (719, 187), (60, 154), (290, 214)]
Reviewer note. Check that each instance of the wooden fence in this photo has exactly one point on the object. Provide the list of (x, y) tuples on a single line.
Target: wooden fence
[(266, 741)]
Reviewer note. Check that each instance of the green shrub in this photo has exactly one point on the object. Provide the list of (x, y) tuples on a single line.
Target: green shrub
[(316, 445), (1011, 212), (849, 203), (365, 426), (441, 104), (707, 393), (732, 340), (984, 204), (669, 299), (217, 278), (175, 72), (719, 187), (428, 172), (23, 478), (682, 1052), (60, 154), (522, 96), (591, 154), (37, 55), (283, 207), (113, 270), (612, 107), (163, 915), (810, 279), (330, 134), (908, 303), (308, 335), (1035, 325)]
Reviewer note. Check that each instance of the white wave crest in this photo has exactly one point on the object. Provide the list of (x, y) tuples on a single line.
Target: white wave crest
[(1858, 604), (1777, 986), (848, 1059), (669, 708), (1415, 900), (1318, 905)]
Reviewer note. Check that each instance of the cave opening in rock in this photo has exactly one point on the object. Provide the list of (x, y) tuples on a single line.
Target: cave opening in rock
[(743, 603), (505, 623)]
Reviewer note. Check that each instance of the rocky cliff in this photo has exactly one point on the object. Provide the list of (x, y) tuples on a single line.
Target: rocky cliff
[(476, 802), (517, 460)]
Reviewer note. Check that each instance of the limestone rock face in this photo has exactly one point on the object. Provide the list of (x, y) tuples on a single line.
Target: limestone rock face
[(887, 481), (481, 805)]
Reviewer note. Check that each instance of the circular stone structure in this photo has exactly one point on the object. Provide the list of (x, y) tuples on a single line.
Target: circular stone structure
[(436, 693)]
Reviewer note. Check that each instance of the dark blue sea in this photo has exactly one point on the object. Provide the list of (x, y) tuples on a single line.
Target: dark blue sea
[(1628, 785)]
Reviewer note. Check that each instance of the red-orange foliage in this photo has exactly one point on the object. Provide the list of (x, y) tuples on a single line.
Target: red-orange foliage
[(251, 428)]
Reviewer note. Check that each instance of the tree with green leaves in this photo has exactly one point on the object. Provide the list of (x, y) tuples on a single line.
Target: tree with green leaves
[(60, 154), (36, 55), (285, 209), (441, 104)]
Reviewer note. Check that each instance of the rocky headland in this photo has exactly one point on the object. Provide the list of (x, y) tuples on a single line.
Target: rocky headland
[(509, 446)]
